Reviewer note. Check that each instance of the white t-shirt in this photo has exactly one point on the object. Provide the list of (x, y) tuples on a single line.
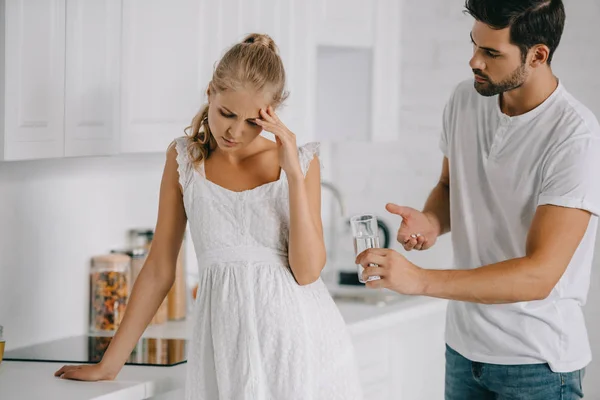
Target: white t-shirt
[(501, 169)]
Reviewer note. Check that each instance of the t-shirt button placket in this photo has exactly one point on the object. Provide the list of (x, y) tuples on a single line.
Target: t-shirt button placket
[(500, 134)]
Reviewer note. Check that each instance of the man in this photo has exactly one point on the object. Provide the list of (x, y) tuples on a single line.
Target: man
[(520, 190)]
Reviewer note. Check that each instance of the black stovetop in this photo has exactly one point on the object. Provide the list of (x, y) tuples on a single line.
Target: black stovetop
[(89, 349)]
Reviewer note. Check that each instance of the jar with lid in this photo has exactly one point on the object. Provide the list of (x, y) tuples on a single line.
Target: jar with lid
[(141, 238), (138, 258), (2, 343), (110, 277)]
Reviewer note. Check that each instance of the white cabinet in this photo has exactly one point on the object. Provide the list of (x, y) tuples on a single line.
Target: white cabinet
[(419, 357), (33, 78), (404, 358), (288, 23), (87, 77), (346, 23), (358, 70), (165, 70), (92, 77), (169, 53), (385, 100), (374, 363), (61, 61)]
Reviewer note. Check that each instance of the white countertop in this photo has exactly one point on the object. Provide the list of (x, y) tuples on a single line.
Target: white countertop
[(32, 380)]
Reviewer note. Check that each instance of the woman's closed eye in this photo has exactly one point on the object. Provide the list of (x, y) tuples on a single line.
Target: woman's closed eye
[(230, 116), (226, 115)]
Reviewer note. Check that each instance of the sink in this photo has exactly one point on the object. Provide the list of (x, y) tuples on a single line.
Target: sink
[(178, 394), (364, 295)]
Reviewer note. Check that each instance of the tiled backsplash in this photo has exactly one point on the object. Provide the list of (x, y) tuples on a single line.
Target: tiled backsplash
[(436, 49), (55, 215), (90, 198)]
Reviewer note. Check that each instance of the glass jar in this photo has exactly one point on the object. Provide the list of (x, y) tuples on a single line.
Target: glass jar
[(2, 343), (110, 277), (138, 258), (141, 238), (144, 237)]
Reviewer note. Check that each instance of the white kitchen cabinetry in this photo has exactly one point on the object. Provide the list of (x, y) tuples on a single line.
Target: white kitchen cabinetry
[(32, 80), (346, 23), (359, 69), (85, 77), (92, 77), (419, 357), (61, 61), (289, 24), (403, 359), (166, 71), (374, 363)]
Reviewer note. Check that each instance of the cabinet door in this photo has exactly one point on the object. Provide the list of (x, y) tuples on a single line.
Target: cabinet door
[(418, 355), (164, 73), (290, 25), (377, 391), (92, 70), (385, 106), (374, 364), (359, 70), (34, 78), (299, 57), (346, 23)]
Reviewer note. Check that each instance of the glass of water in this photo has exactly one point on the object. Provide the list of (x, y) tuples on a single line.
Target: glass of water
[(365, 233)]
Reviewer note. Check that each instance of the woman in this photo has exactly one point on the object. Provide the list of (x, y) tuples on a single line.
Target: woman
[(265, 325)]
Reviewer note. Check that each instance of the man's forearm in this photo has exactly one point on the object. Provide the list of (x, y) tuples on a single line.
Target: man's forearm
[(511, 281), (437, 208)]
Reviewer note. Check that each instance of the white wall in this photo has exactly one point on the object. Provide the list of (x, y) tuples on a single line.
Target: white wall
[(54, 215), (343, 93), (576, 63), (436, 49)]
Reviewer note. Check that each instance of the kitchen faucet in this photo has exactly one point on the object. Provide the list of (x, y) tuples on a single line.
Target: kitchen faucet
[(333, 223)]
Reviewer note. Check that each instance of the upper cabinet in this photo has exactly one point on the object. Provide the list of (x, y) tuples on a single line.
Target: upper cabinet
[(61, 76), (102, 77), (358, 70), (288, 23), (346, 23), (33, 81), (92, 77), (387, 68), (164, 71)]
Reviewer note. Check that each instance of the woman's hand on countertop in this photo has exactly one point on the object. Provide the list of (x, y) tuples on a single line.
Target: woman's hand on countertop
[(92, 372)]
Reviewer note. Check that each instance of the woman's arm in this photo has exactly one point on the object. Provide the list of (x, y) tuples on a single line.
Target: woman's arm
[(152, 284), (306, 251), (306, 247)]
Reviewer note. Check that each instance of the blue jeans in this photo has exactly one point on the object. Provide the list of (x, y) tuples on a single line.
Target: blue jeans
[(468, 380)]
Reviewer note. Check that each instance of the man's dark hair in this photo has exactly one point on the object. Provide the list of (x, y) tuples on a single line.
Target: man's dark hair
[(531, 22)]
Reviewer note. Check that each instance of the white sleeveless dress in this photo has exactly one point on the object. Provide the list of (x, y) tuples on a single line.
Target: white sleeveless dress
[(257, 333)]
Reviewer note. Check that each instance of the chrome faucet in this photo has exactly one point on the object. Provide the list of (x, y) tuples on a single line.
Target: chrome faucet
[(333, 223), (337, 194)]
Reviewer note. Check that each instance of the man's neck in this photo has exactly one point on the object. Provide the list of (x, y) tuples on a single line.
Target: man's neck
[(530, 95)]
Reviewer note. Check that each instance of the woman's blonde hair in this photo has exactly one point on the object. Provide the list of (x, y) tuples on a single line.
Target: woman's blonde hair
[(254, 64)]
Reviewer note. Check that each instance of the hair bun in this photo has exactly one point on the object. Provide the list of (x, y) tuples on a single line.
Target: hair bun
[(261, 39)]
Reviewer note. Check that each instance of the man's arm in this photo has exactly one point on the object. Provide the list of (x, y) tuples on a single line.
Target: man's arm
[(432, 222), (554, 236), (437, 206)]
